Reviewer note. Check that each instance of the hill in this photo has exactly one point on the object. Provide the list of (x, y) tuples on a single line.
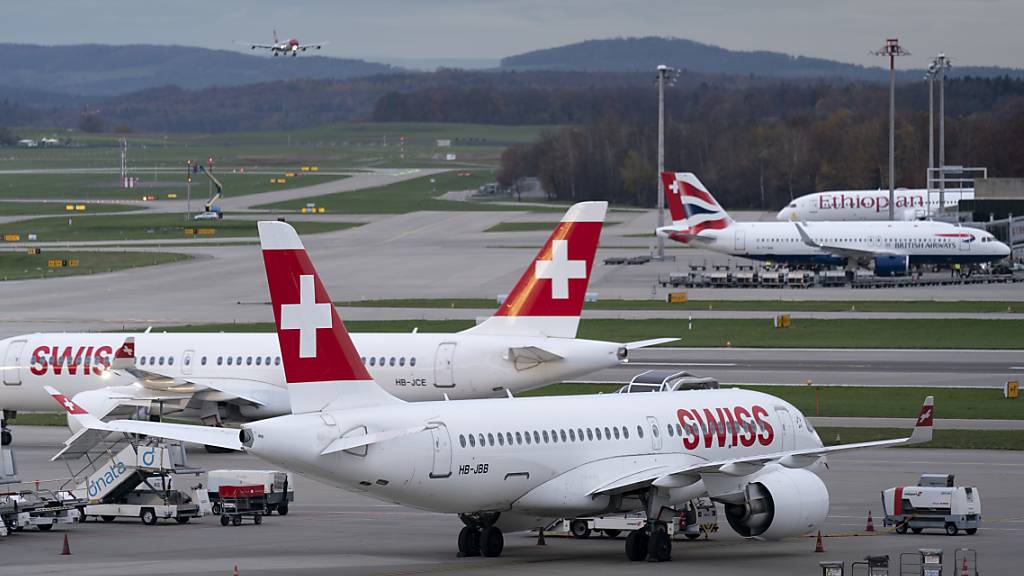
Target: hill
[(104, 70), (634, 54)]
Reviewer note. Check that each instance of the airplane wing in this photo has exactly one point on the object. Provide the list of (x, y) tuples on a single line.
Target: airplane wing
[(854, 252), (254, 46), (315, 46), (669, 477), (208, 435)]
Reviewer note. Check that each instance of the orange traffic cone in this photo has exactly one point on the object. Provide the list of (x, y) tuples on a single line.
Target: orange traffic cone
[(819, 547), (871, 523), (964, 571), (540, 538), (67, 548)]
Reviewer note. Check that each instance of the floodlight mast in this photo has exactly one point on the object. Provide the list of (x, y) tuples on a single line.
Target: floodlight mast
[(941, 63), (669, 75), (892, 49), (930, 77)]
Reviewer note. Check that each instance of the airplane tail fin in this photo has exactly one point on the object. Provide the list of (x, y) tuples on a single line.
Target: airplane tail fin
[(549, 296), (692, 207), (276, 41), (321, 365)]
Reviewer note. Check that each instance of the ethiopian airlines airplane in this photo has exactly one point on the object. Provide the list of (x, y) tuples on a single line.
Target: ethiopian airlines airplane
[(889, 248), (860, 205), (516, 463), (216, 378)]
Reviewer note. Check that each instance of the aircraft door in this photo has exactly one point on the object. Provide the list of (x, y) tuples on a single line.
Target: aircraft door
[(442, 451), (186, 361), (444, 370), (11, 368), (655, 432), (787, 434), (965, 243), (741, 236)]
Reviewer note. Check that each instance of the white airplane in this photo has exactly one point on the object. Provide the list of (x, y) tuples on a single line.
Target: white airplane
[(515, 463), (859, 205), (216, 378), (292, 47), (889, 248)]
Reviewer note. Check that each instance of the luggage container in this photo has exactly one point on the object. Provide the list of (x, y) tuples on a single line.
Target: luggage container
[(237, 502)]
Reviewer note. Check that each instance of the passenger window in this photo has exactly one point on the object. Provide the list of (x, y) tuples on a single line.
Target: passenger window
[(579, 432), (501, 439), (277, 360), (170, 360), (187, 361), (615, 432), (562, 434), (152, 360), (412, 361), (490, 439), (590, 434), (669, 428), (527, 434), (536, 437), (482, 440), (572, 434), (519, 438), (161, 360), (625, 433), (607, 433), (267, 361), (472, 442), (259, 360), (679, 430), (142, 361), (392, 362), (401, 361), (508, 438), (545, 436), (654, 430), (248, 360), (373, 361), (382, 360), (238, 360), (361, 358), (220, 360), (230, 360), (597, 432), (462, 440)]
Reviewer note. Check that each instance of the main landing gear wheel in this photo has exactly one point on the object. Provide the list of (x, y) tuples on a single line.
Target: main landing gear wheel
[(492, 542), (469, 542), (580, 529), (6, 437), (636, 545), (660, 545)]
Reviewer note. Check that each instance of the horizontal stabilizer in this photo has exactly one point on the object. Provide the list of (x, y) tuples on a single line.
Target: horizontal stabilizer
[(648, 343)]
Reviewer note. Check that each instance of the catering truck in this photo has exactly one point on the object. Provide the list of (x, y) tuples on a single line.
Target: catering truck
[(935, 502)]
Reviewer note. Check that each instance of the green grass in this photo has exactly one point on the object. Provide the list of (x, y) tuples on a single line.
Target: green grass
[(144, 227), (106, 186), (530, 226), (758, 333), (728, 305), (955, 439), (41, 419), (41, 208), (407, 196), (19, 265)]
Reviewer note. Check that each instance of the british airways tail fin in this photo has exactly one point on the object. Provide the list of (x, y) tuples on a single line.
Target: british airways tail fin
[(692, 207), (548, 299), (321, 365)]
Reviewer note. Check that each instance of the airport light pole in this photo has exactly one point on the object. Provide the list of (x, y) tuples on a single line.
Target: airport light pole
[(930, 77), (669, 75), (892, 49), (941, 64)]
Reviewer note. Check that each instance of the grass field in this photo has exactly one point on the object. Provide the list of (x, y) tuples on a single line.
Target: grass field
[(42, 208), (144, 227), (336, 146), (407, 196), (19, 265), (530, 226), (727, 305), (957, 439), (758, 333), (106, 186)]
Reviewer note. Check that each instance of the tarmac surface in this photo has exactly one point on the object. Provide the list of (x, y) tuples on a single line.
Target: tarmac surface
[(330, 531)]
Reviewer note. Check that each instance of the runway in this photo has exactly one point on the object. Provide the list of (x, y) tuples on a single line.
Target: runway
[(829, 366), (330, 531)]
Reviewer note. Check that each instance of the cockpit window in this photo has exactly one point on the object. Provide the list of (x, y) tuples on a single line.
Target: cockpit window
[(793, 205)]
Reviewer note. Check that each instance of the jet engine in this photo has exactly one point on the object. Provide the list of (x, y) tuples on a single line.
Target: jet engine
[(779, 504), (891, 265)]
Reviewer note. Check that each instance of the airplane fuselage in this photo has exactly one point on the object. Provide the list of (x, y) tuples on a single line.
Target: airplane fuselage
[(413, 366), (866, 205)]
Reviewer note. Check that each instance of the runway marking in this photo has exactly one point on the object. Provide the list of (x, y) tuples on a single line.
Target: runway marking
[(1016, 367), (1014, 464), (683, 364)]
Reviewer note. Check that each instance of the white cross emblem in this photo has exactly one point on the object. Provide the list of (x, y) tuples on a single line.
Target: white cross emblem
[(925, 415), (560, 269), (306, 316), (70, 405), (675, 188)]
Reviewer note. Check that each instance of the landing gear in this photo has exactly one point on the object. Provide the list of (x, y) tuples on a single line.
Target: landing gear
[(636, 545), (6, 437), (480, 537), (652, 543), (469, 542), (5, 433)]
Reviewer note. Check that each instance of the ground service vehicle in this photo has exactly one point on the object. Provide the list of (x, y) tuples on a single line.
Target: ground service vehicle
[(935, 502)]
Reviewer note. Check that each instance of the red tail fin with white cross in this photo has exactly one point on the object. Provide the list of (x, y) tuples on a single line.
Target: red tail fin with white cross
[(548, 299), (321, 365)]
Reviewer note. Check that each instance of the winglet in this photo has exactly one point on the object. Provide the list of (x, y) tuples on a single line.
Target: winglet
[(79, 414), (124, 357), (805, 236), (923, 429)]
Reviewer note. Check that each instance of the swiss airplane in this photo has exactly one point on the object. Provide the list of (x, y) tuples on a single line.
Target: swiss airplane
[(860, 205), (291, 47), (515, 463), (216, 378), (888, 248)]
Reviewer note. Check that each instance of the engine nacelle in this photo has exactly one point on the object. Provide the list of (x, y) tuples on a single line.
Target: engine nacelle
[(892, 265), (779, 504)]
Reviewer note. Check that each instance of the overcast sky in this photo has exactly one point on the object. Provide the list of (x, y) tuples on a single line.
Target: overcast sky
[(972, 32)]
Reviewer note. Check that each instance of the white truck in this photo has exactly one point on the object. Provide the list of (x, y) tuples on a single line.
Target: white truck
[(698, 518), (935, 502)]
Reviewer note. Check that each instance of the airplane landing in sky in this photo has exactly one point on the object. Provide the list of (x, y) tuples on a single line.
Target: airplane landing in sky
[(289, 47)]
